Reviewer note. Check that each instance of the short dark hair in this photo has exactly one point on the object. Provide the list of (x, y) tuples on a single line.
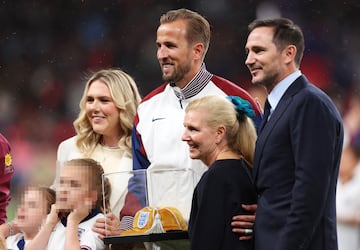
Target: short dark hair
[(285, 33), (198, 28)]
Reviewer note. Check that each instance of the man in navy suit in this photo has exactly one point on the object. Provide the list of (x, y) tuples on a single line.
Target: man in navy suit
[(298, 148)]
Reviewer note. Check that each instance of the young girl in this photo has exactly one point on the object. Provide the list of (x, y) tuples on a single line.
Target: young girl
[(35, 205), (79, 203)]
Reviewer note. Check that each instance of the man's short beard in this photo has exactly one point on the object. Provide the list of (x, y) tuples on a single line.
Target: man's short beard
[(178, 74), (268, 81)]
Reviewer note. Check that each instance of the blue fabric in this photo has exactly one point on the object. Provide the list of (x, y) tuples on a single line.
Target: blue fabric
[(267, 108), (296, 166), (21, 244)]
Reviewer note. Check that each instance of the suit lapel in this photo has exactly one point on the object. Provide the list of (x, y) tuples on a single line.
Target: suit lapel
[(282, 106)]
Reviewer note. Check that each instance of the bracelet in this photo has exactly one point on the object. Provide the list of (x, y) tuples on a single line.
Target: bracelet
[(11, 229)]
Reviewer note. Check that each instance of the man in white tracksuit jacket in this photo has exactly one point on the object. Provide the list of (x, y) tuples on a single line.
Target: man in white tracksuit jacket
[(158, 126)]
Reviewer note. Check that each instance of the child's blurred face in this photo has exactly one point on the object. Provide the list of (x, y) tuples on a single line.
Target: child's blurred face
[(32, 210), (73, 190)]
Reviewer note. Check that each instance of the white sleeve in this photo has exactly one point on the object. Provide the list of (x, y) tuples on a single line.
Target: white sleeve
[(90, 240), (66, 150)]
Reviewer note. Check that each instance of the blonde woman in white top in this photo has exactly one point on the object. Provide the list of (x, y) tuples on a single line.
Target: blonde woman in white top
[(103, 133)]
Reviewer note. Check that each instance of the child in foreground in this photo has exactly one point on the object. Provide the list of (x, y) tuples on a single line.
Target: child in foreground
[(79, 203), (34, 207)]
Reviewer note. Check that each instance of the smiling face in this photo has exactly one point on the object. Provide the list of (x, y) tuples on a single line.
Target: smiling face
[(32, 211), (179, 60), (102, 112), (74, 189), (200, 137), (266, 63)]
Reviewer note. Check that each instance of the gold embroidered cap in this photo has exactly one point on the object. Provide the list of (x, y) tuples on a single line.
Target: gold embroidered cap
[(157, 220)]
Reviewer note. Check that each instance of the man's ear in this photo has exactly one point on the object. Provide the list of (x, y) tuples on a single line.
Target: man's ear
[(290, 53), (198, 49)]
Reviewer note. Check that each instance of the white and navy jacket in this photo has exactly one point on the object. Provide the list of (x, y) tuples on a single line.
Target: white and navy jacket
[(157, 144)]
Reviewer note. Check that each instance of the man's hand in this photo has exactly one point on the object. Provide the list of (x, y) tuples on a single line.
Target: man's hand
[(108, 226), (243, 224)]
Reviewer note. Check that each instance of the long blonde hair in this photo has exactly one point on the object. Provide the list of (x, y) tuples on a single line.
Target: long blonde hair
[(126, 97), (240, 130)]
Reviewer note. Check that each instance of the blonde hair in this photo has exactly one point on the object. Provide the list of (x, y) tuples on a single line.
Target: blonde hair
[(240, 130), (197, 27), (95, 175), (126, 97)]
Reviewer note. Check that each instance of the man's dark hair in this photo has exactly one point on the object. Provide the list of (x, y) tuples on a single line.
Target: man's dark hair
[(285, 33)]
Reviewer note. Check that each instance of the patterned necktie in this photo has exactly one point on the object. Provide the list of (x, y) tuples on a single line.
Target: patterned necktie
[(267, 108), (21, 244)]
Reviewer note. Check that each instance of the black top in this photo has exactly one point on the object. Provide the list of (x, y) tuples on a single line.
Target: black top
[(217, 198)]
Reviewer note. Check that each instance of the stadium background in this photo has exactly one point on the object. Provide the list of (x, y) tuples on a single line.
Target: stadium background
[(47, 48)]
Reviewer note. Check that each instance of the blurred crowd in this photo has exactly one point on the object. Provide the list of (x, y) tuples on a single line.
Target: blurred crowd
[(48, 47)]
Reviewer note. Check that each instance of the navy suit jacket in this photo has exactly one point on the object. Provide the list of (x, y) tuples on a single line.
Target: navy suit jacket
[(296, 166)]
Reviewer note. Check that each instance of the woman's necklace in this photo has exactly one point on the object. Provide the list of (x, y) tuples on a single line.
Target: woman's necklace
[(108, 146)]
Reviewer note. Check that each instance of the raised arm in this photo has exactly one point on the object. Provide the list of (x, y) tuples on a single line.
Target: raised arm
[(41, 239), (75, 217)]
